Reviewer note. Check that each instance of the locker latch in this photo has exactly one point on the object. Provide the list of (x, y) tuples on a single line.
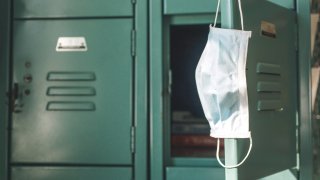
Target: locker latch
[(15, 104)]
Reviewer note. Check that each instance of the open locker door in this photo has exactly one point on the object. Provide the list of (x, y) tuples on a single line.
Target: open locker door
[(272, 89)]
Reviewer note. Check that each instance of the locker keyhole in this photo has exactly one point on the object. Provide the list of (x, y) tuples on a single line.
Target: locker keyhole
[(27, 78)]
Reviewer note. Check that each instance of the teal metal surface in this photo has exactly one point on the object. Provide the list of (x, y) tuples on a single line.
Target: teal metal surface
[(4, 73), (156, 90), (71, 91), (267, 68), (305, 120), (71, 128), (194, 162), (286, 174), (269, 105), (71, 76), (71, 173), (192, 173), (71, 8), (70, 106), (189, 6), (268, 87), (231, 154), (141, 170), (285, 3), (192, 19), (166, 92), (272, 151)]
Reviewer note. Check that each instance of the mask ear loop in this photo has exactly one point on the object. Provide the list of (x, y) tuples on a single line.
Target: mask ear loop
[(233, 166), (215, 18), (240, 10)]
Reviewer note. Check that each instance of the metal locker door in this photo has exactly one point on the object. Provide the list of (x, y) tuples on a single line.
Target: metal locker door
[(73, 92), (272, 89)]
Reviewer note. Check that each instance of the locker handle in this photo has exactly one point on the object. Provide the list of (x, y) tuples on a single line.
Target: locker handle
[(15, 91), (14, 98)]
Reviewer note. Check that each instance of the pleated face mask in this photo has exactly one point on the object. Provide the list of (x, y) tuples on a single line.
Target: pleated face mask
[(221, 83)]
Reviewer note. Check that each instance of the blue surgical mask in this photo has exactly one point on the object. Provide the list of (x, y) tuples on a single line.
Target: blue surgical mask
[(221, 83)]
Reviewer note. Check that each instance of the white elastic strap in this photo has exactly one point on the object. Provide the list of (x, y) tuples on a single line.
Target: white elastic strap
[(215, 19), (240, 10), (241, 15), (234, 166)]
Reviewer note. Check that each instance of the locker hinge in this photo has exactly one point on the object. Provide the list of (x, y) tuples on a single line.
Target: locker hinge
[(133, 42), (133, 139)]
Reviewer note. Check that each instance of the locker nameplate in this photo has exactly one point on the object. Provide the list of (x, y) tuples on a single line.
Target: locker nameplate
[(71, 44), (268, 29)]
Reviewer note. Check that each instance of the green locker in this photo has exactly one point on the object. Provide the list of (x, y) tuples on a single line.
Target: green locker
[(78, 94), (77, 89), (272, 89), (184, 26), (71, 8), (272, 76), (73, 92)]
